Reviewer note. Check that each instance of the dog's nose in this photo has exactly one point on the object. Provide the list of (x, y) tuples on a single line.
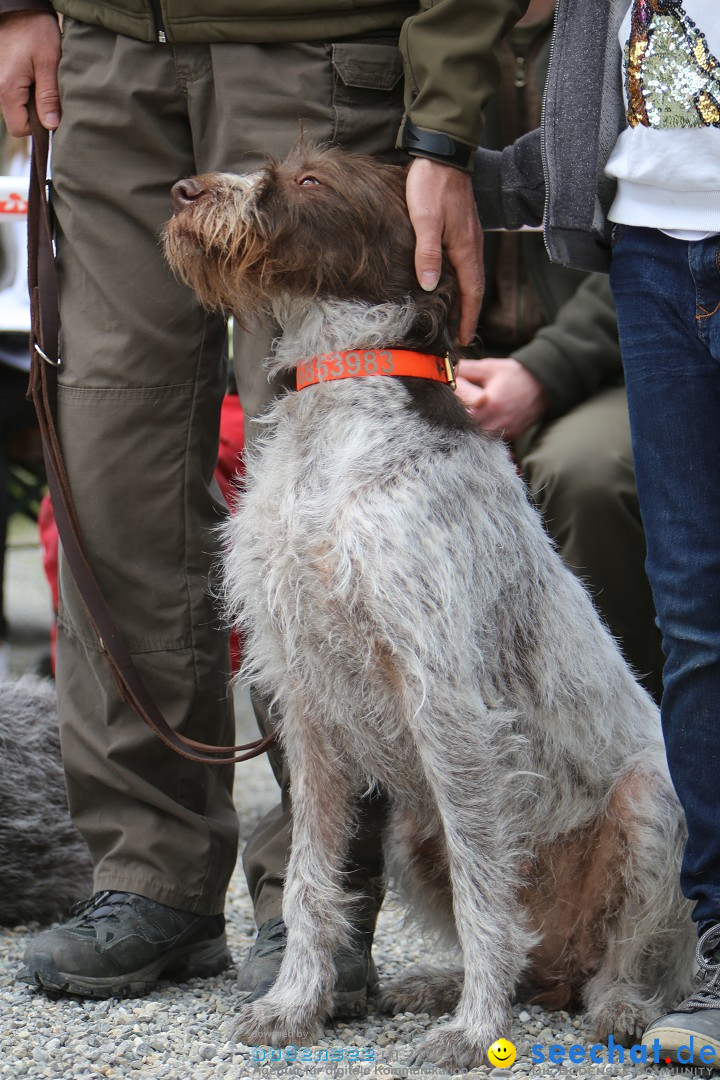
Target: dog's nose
[(186, 192)]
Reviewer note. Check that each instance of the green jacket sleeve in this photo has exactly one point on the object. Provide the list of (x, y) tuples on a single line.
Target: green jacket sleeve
[(579, 351), (450, 63)]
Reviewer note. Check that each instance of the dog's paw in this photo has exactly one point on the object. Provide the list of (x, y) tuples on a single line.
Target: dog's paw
[(452, 1048), (625, 1021), (263, 1023), (434, 992)]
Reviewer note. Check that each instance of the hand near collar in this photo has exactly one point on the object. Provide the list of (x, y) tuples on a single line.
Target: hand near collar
[(442, 209), (501, 395)]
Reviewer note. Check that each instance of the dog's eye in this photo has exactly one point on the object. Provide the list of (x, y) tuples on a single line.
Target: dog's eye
[(308, 180)]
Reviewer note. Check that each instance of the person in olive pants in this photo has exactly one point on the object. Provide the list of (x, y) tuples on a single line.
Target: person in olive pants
[(149, 93)]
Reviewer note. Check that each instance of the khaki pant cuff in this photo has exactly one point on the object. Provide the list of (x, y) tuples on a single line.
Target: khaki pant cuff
[(163, 893)]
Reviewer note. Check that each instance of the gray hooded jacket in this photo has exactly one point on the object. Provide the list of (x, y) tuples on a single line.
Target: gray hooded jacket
[(556, 175)]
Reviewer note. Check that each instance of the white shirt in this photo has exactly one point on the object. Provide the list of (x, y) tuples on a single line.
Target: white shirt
[(667, 161)]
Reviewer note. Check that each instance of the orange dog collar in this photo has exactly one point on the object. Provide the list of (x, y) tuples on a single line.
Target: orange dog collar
[(358, 362)]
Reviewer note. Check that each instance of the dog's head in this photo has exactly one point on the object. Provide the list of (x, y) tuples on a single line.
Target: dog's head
[(321, 224)]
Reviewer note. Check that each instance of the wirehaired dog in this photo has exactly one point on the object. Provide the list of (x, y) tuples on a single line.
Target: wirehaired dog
[(416, 631), (45, 865)]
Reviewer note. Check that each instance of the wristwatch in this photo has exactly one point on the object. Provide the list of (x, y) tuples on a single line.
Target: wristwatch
[(435, 145)]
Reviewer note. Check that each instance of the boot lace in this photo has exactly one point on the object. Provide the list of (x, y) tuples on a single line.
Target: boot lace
[(707, 995), (100, 905)]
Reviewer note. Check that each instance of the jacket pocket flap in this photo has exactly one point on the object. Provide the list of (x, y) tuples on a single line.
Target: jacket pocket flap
[(372, 67)]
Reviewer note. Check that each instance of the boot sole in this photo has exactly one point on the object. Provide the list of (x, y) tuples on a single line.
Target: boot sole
[(672, 1039), (197, 961)]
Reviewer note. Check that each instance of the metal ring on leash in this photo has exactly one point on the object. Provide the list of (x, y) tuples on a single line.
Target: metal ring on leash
[(46, 358)]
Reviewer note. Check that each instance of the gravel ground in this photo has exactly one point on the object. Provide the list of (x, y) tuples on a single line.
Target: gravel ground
[(183, 1032)]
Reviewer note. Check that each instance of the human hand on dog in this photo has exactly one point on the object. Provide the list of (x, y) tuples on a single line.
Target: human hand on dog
[(442, 209), (501, 395), (29, 54)]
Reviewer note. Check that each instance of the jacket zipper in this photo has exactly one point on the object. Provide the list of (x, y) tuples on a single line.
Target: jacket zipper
[(543, 145), (520, 82), (160, 32)]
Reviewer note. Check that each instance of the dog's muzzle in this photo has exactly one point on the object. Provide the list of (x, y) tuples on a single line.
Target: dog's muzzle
[(232, 189)]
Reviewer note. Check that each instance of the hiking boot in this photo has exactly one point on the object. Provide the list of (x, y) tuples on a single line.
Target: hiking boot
[(357, 976), (118, 944), (695, 1023)]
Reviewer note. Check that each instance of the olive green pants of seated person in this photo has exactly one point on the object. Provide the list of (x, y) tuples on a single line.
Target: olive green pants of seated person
[(141, 385), (580, 472)]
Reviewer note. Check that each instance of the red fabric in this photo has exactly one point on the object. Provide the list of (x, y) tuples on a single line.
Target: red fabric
[(232, 440), (229, 468), (49, 544), (227, 471)]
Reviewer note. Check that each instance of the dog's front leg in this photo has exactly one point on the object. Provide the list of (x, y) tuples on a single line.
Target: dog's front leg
[(313, 898), (468, 782)]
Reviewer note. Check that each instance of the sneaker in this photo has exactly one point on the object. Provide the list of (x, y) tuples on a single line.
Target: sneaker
[(357, 976), (118, 944), (695, 1023)]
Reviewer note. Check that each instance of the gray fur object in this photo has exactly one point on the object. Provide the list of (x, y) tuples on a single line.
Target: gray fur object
[(44, 863), (409, 619)]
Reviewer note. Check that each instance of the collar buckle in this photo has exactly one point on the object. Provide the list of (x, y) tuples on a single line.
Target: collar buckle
[(450, 371)]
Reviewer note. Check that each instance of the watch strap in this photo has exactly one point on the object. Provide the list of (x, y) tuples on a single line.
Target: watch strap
[(436, 145)]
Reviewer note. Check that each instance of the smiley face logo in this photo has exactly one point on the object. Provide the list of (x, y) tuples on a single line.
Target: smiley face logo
[(502, 1053)]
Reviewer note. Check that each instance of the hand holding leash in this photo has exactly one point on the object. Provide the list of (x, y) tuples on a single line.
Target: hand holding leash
[(29, 56)]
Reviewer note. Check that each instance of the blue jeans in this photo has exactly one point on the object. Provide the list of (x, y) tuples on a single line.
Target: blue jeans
[(667, 293)]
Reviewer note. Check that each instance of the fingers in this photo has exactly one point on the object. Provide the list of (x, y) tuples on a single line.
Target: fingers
[(29, 54), (47, 97), (473, 397), (443, 213), (467, 260), (476, 371), (512, 399), (15, 114), (428, 257), (14, 94), (425, 207)]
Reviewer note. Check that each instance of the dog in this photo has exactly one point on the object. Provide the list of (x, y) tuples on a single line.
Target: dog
[(45, 865), (416, 632)]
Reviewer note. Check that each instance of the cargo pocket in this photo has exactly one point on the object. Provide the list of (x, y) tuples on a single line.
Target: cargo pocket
[(134, 496), (367, 96)]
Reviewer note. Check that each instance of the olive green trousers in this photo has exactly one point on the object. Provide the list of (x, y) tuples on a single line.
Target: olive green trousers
[(144, 372)]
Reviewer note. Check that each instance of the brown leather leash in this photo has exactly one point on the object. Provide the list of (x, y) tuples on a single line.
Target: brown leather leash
[(45, 361)]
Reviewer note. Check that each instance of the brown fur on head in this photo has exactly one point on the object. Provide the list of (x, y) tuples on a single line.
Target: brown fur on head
[(321, 224)]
